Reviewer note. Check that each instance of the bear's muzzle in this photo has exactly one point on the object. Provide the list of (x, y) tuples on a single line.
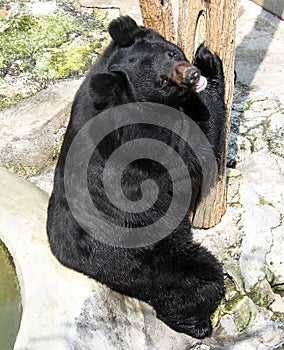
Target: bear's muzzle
[(187, 76)]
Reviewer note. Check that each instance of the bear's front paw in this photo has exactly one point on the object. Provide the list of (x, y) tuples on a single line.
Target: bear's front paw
[(197, 328), (209, 64)]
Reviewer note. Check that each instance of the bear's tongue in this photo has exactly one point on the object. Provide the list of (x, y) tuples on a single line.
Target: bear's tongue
[(201, 84)]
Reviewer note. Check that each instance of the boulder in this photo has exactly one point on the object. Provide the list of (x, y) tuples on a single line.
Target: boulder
[(30, 131)]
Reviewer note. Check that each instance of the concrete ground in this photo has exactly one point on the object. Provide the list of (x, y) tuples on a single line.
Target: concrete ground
[(259, 47)]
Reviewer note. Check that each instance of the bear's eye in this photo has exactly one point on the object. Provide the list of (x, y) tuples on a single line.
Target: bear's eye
[(173, 54), (164, 80)]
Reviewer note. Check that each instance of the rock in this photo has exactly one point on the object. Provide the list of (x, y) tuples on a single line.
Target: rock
[(262, 294), (63, 309), (278, 305), (43, 8), (232, 269), (258, 127), (200, 347), (126, 7), (242, 319), (227, 326), (272, 337), (275, 257), (262, 206), (247, 315), (262, 123), (232, 150), (51, 40), (265, 337), (259, 47), (44, 180), (256, 243), (30, 131), (241, 310), (231, 292), (233, 195), (275, 134)]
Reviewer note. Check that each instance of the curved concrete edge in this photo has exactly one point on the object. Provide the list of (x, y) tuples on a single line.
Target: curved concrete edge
[(53, 297), (63, 309)]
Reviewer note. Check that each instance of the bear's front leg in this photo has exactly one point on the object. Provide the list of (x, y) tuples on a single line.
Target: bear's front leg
[(207, 107), (211, 67)]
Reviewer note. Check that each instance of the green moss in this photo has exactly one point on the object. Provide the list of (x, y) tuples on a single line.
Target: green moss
[(241, 310), (58, 143), (262, 294), (279, 287), (233, 173), (252, 141), (7, 101), (262, 201), (231, 290), (42, 48), (33, 34), (76, 59), (21, 169), (233, 303), (217, 314), (248, 105), (66, 60)]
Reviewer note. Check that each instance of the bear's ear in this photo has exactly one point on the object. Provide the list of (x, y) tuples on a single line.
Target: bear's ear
[(122, 30)]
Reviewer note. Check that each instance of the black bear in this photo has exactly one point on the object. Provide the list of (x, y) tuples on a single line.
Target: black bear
[(179, 278)]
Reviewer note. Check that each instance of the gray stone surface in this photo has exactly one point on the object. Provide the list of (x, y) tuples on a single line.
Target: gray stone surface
[(51, 41), (259, 51), (263, 208), (274, 6), (126, 7), (30, 131), (249, 240)]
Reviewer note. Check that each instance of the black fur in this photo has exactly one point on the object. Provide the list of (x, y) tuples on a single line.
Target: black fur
[(179, 278)]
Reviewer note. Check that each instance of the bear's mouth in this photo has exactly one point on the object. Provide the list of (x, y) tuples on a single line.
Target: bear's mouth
[(187, 76)]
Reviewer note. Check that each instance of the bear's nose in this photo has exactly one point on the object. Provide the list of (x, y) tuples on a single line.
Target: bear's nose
[(191, 76), (185, 75)]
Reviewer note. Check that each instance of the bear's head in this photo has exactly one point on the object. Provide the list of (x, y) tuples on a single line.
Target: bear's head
[(140, 65)]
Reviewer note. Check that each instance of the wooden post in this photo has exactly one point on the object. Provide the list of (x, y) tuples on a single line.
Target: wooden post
[(158, 15), (213, 23)]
